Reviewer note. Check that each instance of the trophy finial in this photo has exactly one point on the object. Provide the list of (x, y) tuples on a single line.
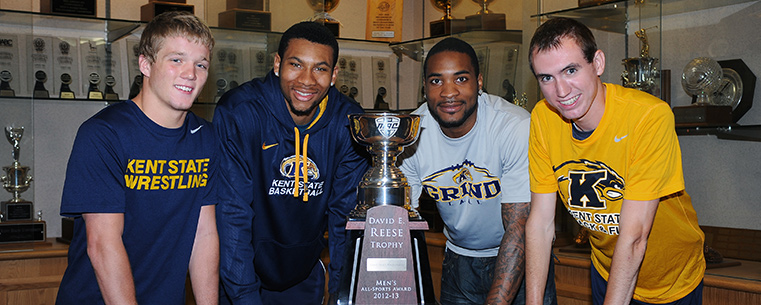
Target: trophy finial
[(14, 134), (642, 35)]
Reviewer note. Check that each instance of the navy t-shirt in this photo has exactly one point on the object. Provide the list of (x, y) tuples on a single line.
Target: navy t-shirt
[(122, 162)]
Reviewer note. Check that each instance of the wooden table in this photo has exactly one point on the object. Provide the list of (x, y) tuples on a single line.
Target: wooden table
[(30, 273)]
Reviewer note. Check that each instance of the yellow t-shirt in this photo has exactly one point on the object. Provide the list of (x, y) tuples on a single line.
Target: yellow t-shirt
[(634, 154)]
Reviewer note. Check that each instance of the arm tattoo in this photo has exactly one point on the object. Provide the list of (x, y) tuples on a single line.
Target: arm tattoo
[(510, 266)]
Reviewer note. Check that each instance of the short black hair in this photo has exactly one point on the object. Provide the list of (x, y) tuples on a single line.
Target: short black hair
[(312, 32), (549, 34), (454, 45)]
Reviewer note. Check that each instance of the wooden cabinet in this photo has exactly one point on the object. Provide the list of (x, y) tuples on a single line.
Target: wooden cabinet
[(31, 272)]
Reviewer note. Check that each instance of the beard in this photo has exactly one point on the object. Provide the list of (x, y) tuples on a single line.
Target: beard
[(306, 112), (457, 123)]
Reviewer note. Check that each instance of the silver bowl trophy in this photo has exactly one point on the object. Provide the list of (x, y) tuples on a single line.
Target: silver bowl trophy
[(641, 72), (386, 259), (17, 216)]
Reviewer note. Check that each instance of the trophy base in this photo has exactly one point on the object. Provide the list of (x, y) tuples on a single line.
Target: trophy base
[(239, 18), (702, 116), (66, 95), (67, 230), (95, 95), (22, 231), (17, 210), (491, 21), (448, 26), (386, 261), (7, 93), (111, 96), (152, 9), (333, 26), (41, 94)]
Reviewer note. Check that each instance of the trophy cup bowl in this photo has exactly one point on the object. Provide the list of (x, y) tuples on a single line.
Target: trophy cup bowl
[(385, 135), (445, 6), (326, 6), (16, 181), (640, 73), (321, 9)]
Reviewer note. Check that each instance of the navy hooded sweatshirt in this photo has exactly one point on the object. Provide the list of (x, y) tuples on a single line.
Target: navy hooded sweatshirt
[(269, 238)]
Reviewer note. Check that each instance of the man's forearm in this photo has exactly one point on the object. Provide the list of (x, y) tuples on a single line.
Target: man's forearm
[(109, 259), (540, 229), (204, 260), (509, 268), (627, 259)]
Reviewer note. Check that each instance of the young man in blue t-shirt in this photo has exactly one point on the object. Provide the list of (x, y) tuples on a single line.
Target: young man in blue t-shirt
[(139, 181)]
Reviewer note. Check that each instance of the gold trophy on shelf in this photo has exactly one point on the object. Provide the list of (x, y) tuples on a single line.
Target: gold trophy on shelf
[(641, 72), (485, 19), (17, 222), (322, 9), (447, 24)]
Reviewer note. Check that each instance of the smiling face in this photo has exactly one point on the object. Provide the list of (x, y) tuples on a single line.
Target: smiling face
[(174, 80), (570, 84), (451, 89), (306, 72)]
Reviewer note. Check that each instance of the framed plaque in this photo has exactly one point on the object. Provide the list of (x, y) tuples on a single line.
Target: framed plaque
[(69, 7), (384, 20), (66, 80)]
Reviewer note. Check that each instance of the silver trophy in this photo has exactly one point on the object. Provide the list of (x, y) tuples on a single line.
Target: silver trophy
[(641, 72), (16, 181), (376, 259), (385, 135)]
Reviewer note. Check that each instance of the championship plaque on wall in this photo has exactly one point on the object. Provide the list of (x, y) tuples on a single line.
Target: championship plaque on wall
[(384, 20)]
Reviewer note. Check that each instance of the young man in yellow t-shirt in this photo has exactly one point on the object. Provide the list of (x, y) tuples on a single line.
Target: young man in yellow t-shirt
[(612, 155)]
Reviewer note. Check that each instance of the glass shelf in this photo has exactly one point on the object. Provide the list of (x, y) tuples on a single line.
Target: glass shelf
[(730, 132), (415, 48)]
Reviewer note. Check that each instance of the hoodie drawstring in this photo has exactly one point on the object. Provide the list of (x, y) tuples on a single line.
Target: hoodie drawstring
[(301, 167)]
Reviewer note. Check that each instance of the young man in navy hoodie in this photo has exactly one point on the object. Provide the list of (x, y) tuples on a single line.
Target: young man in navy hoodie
[(290, 170)]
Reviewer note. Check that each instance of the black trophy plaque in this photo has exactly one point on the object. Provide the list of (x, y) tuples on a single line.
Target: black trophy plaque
[(40, 78), (155, 8), (22, 231), (69, 7), (20, 210)]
